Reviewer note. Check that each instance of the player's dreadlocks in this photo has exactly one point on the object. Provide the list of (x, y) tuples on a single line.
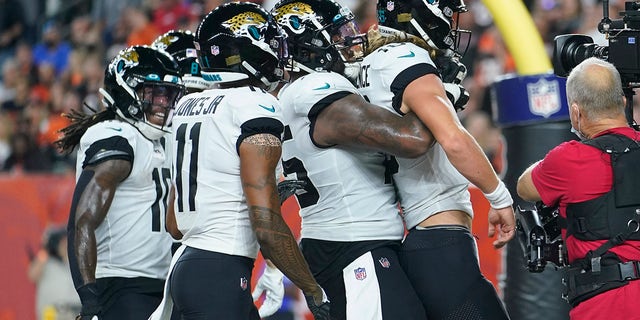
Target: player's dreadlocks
[(80, 122), (376, 40)]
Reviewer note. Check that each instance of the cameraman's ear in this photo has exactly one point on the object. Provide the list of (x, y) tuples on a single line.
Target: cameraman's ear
[(576, 110), (572, 110)]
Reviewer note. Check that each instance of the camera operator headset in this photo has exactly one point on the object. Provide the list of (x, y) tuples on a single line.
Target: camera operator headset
[(595, 184)]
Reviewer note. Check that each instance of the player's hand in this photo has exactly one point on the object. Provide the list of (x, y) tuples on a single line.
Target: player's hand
[(504, 222), (90, 306), (457, 94), (451, 69), (319, 306), (287, 188), (88, 313), (269, 283)]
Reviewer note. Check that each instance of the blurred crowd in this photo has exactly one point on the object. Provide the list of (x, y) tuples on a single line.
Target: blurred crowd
[(53, 55)]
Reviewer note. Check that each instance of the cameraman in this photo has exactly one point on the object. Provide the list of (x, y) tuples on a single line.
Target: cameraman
[(597, 207)]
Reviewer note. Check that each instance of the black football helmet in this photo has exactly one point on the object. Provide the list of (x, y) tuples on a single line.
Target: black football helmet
[(238, 40), (431, 20), (322, 34), (180, 45), (138, 81)]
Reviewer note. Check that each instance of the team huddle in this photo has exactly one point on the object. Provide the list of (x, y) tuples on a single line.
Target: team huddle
[(178, 176)]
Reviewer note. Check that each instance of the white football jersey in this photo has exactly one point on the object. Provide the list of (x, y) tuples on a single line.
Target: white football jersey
[(430, 183), (132, 240), (208, 127), (347, 196)]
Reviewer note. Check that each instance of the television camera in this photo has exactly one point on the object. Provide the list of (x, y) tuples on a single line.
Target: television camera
[(539, 234), (623, 51)]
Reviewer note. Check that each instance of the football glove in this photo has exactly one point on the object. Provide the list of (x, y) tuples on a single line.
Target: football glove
[(88, 294), (287, 188), (270, 283), (319, 311), (457, 94), (451, 69)]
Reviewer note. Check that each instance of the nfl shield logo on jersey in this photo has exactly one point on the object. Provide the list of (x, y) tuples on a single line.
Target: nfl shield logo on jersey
[(361, 273), (243, 283), (384, 262)]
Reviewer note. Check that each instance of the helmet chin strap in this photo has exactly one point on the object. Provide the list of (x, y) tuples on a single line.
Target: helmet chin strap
[(447, 52), (302, 67), (108, 100), (270, 86), (148, 130), (422, 33)]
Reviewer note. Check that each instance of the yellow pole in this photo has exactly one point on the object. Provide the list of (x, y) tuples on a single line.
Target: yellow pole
[(520, 36)]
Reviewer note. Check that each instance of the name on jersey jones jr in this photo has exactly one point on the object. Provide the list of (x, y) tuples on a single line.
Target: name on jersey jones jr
[(199, 106)]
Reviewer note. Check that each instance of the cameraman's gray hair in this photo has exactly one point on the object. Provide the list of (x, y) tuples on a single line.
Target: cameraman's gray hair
[(595, 85)]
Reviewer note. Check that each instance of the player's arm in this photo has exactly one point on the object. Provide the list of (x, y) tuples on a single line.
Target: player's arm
[(427, 98), (526, 189), (259, 155), (170, 220), (353, 122), (92, 198)]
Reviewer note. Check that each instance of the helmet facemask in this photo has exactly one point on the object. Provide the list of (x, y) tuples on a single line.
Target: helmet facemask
[(158, 101), (143, 85)]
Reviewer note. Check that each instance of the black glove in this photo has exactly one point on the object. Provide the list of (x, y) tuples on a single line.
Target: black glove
[(90, 303), (451, 69), (287, 188), (457, 94), (320, 312)]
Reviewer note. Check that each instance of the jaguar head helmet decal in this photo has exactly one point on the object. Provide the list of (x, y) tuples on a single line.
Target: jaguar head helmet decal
[(246, 24), (128, 58), (294, 14), (164, 41)]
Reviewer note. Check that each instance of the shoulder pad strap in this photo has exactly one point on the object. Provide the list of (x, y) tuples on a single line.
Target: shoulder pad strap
[(613, 143)]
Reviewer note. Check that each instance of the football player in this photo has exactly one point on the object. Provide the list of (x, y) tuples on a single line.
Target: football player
[(227, 147), (439, 254), (119, 250), (351, 228)]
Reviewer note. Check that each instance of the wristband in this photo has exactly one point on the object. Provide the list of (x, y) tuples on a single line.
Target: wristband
[(88, 294), (500, 197)]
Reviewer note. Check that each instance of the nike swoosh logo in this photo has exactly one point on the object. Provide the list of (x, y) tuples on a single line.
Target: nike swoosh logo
[(326, 86), (116, 129), (409, 55), (270, 109)]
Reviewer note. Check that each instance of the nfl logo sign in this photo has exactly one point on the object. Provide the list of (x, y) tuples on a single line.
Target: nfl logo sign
[(243, 283), (384, 262), (215, 50), (544, 97), (361, 273), (390, 6)]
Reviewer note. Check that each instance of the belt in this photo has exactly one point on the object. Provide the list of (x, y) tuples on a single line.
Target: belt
[(583, 284)]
